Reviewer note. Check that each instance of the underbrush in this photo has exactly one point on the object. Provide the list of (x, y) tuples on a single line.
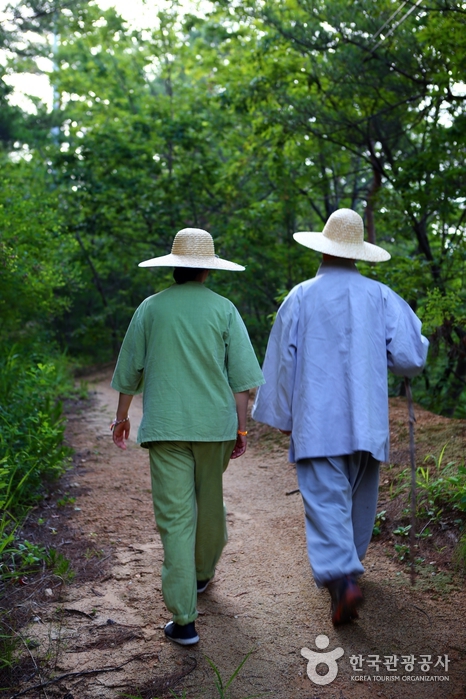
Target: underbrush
[(32, 456), (32, 449), (440, 516), (32, 427)]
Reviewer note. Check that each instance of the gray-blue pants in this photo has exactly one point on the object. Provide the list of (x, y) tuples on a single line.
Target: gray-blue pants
[(340, 503)]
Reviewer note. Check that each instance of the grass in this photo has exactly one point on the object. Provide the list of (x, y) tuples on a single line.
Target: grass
[(441, 489), (32, 448), (440, 511), (459, 555), (428, 579), (9, 644), (222, 686)]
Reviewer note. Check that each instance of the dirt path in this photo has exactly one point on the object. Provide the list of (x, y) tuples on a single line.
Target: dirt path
[(262, 600)]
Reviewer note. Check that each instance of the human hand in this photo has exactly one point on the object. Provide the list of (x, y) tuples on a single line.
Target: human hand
[(121, 433), (240, 446)]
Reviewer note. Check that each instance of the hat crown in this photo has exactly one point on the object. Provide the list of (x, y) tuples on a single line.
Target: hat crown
[(194, 242), (193, 247), (345, 226)]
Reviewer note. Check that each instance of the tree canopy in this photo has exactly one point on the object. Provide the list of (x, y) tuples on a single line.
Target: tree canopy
[(254, 121)]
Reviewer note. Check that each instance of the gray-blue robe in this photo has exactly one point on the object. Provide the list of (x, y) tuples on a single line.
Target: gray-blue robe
[(333, 341)]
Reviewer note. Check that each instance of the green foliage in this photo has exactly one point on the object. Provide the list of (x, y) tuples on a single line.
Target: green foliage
[(24, 558), (442, 307), (440, 502), (32, 451), (31, 435), (402, 531), (380, 518), (445, 318), (34, 257), (222, 685), (402, 552), (59, 565), (254, 121), (441, 487), (10, 117), (9, 644), (459, 556), (374, 135), (65, 500), (441, 490)]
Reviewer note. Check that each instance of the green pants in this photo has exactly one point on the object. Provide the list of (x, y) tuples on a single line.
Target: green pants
[(187, 492)]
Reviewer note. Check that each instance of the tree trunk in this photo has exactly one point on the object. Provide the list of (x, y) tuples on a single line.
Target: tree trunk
[(371, 197)]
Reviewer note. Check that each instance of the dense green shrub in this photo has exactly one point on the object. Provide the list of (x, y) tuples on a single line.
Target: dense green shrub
[(32, 451)]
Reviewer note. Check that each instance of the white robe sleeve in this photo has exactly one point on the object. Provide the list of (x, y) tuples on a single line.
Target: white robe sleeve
[(273, 404)]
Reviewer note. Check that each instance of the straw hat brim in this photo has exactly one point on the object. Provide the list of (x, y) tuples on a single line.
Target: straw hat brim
[(352, 251), (197, 262)]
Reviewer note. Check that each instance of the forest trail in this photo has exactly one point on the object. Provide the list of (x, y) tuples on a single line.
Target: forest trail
[(263, 599)]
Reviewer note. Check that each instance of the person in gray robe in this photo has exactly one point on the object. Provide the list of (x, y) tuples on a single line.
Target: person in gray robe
[(333, 341)]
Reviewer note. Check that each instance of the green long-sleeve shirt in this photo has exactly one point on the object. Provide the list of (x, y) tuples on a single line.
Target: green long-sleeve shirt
[(190, 350)]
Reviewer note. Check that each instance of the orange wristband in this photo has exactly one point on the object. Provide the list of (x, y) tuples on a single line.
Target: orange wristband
[(243, 434)]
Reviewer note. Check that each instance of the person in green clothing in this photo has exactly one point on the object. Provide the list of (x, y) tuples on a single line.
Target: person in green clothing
[(188, 350)]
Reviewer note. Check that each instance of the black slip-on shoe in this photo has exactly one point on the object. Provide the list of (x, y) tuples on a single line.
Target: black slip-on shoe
[(202, 585), (346, 597), (184, 635)]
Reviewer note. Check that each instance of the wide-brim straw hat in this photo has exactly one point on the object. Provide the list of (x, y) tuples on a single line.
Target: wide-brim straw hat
[(343, 236), (193, 247)]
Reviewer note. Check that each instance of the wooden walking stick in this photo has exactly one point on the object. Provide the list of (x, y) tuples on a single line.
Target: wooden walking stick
[(412, 531)]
